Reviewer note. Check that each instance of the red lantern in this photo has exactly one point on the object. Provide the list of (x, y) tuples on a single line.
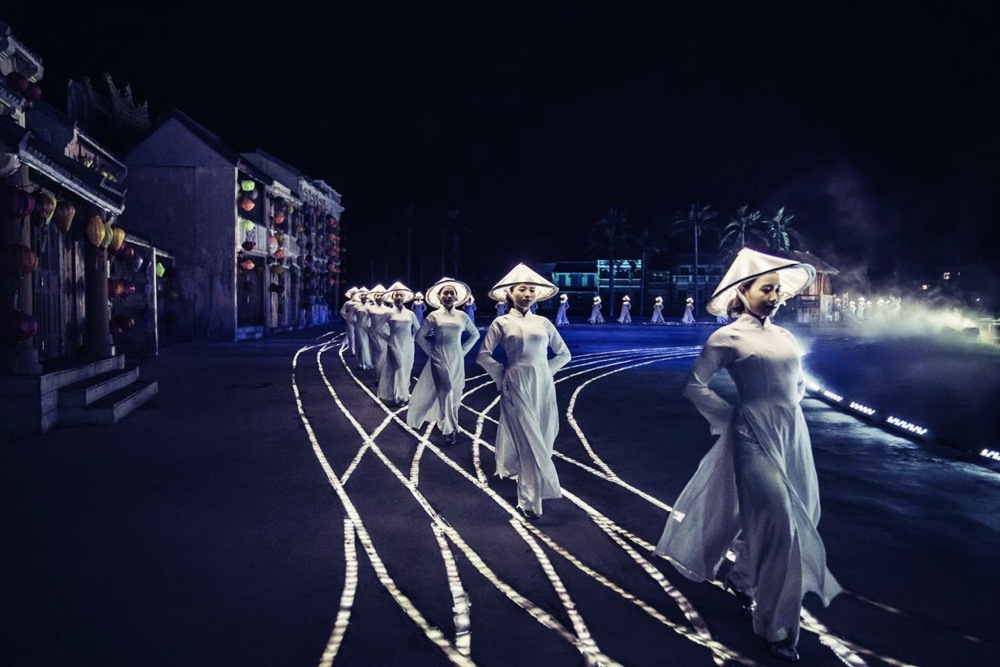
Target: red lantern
[(33, 92), (247, 204), (18, 260), (17, 82), (279, 253), (247, 265), (17, 325)]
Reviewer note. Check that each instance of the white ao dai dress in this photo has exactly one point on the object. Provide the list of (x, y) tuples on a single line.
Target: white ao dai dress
[(401, 328)]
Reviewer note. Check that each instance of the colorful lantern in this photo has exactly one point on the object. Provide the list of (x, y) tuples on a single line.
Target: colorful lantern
[(65, 212), (247, 265), (247, 204), (247, 185), (248, 245), (33, 92), (137, 262), (246, 225), (278, 269), (108, 233), (279, 218), (17, 82), (45, 208), (18, 260), (96, 230), (279, 253), (117, 239), (160, 270)]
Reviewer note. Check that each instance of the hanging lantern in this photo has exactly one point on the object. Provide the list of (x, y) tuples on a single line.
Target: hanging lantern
[(247, 185), (108, 233), (248, 245), (17, 203), (137, 262), (126, 252), (65, 212), (280, 238), (332, 221), (95, 230), (247, 204), (117, 239), (118, 288), (160, 270), (129, 287), (279, 218), (17, 325), (279, 253), (33, 92), (45, 208), (18, 260), (247, 265), (246, 225), (17, 82)]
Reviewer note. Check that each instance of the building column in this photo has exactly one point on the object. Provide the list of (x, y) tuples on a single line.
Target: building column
[(97, 337), (17, 292)]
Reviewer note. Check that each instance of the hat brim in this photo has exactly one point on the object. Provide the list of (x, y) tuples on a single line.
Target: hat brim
[(795, 277), (462, 292), (542, 292)]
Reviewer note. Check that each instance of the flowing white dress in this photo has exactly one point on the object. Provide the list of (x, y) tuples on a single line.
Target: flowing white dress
[(438, 392), (756, 490), (595, 314), (657, 314), (400, 329), (363, 339), (561, 318), (349, 312), (624, 317), (688, 317), (378, 315), (529, 416)]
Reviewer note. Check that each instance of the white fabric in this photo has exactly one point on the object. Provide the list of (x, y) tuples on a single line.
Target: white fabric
[(688, 317), (438, 392), (522, 274), (377, 316), (595, 313), (401, 328), (624, 317), (777, 488), (362, 335), (349, 312), (529, 416), (561, 317), (657, 314)]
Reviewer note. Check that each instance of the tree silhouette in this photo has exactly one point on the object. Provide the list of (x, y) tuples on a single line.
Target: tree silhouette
[(743, 225), (607, 238), (779, 232), (697, 219)]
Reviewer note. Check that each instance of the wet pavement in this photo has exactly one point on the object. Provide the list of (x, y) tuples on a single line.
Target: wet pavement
[(264, 509)]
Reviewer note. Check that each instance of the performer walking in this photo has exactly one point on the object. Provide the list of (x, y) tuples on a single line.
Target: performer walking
[(658, 312), (688, 317), (595, 312), (756, 490), (400, 330), (437, 395), (419, 306), (529, 416), (625, 317), (561, 318), (361, 333)]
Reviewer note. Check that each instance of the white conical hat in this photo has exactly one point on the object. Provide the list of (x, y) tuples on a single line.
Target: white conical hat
[(563, 297), (361, 291), (419, 296), (749, 264), (626, 298), (523, 275), (400, 287), (351, 292), (462, 292), (659, 299)]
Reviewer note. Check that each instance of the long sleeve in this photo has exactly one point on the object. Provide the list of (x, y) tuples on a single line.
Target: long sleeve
[(470, 328), (713, 407), (559, 349), (485, 356), (422, 333)]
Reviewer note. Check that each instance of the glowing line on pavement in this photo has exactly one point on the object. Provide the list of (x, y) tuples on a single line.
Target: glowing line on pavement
[(346, 598), (460, 605)]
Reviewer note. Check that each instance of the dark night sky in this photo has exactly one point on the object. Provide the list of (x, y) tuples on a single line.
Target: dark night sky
[(875, 127)]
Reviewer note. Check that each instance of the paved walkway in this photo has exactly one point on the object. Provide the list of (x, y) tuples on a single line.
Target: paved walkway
[(265, 510)]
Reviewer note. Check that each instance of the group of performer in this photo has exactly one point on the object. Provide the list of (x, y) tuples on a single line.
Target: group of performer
[(747, 517), (625, 312)]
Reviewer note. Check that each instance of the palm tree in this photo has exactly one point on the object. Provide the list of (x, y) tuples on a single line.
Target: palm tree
[(779, 233), (648, 244), (742, 225), (698, 219), (607, 237)]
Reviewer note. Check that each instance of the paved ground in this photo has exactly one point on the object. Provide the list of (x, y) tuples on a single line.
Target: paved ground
[(265, 510)]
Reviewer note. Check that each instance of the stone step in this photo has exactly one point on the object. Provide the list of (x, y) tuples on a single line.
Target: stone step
[(112, 408), (91, 389)]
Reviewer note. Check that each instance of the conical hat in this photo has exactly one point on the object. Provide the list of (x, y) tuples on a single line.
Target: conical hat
[(400, 287), (563, 297), (419, 296), (523, 275), (360, 292), (462, 292), (351, 292), (749, 264), (626, 298)]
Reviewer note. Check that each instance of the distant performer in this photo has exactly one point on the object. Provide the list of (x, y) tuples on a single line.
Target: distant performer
[(364, 356), (349, 313), (688, 317), (470, 308), (561, 318), (378, 315), (625, 317), (501, 308), (658, 311), (419, 306), (595, 312), (400, 330)]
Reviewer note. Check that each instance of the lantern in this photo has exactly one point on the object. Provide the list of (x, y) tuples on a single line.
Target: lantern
[(118, 290), (33, 92), (17, 82), (247, 225), (247, 265), (117, 239), (17, 325), (279, 218), (137, 262), (45, 208), (17, 203), (247, 185), (253, 194), (247, 204), (160, 270), (65, 212), (279, 253), (129, 287), (108, 233), (248, 245), (18, 260), (96, 230), (277, 288)]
